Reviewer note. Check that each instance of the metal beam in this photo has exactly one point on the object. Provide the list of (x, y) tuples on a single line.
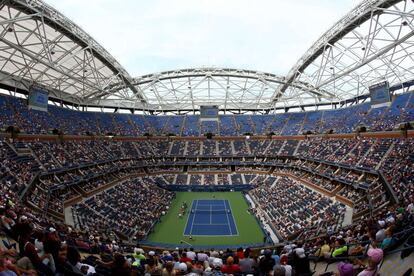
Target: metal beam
[(368, 60), (354, 18), (62, 24)]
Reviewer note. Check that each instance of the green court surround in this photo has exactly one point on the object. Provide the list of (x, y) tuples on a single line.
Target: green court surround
[(171, 228)]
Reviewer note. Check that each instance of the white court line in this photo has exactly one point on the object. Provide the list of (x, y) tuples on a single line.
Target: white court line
[(234, 220), (207, 205), (228, 221), (192, 223), (222, 203), (212, 224), (211, 202), (195, 235)]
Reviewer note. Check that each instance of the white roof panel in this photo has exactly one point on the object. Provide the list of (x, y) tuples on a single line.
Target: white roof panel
[(372, 43)]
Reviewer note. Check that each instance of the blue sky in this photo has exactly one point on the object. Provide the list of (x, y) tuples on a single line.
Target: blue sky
[(157, 35)]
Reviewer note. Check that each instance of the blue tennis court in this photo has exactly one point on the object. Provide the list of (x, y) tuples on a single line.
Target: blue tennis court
[(210, 217)]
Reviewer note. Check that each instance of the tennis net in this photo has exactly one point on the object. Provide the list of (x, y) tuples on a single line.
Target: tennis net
[(221, 211)]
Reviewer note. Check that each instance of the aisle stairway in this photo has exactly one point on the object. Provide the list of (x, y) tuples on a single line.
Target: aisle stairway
[(393, 265)]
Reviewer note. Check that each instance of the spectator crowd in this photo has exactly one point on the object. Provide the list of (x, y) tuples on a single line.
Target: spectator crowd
[(105, 180)]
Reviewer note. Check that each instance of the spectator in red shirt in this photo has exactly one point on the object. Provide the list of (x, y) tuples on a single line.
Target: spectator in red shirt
[(184, 258), (230, 267), (240, 253)]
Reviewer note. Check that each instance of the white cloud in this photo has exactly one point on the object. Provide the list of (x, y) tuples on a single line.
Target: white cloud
[(156, 35)]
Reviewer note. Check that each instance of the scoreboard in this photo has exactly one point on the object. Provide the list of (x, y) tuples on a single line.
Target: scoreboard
[(380, 94), (209, 111), (38, 98)]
